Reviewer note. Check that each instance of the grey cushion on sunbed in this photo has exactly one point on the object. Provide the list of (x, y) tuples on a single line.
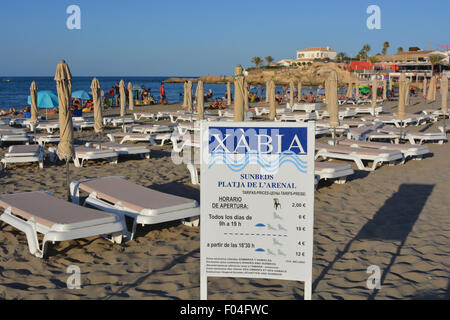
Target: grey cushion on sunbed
[(53, 212), (136, 197)]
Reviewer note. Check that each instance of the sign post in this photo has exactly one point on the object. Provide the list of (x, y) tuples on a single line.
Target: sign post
[(257, 201)]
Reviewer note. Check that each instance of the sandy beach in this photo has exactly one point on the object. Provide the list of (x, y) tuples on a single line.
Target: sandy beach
[(396, 217)]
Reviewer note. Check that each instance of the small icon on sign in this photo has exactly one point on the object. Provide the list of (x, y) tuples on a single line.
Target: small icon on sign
[(270, 227), (281, 253), (270, 252), (275, 216), (276, 203), (280, 227), (275, 242)]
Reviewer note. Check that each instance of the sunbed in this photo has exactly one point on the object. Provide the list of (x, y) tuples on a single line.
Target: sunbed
[(24, 153), (186, 140), (414, 151), (151, 128), (117, 121), (259, 111), (144, 115), (49, 126), (321, 114), (43, 139), (358, 155), (145, 206), (333, 171), (393, 119), (139, 137), (83, 154), (413, 136), (58, 220), (369, 110), (306, 107), (13, 137), (122, 149), (296, 116)]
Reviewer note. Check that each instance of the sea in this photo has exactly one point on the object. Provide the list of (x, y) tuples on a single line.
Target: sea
[(14, 91)]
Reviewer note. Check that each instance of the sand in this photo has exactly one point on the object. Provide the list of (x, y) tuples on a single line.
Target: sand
[(396, 218)]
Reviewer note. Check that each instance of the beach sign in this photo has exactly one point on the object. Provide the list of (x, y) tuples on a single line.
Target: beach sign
[(257, 201)]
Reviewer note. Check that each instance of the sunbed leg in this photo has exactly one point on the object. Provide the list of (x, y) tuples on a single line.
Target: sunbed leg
[(133, 229), (75, 192), (341, 180)]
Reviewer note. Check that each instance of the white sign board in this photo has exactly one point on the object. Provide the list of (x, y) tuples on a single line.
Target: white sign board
[(257, 200)]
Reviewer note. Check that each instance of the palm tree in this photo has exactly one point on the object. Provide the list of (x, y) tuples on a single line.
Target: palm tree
[(257, 61), (385, 47), (341, 56), (269, 59), (434, 60), (363, 54), (400, 49)]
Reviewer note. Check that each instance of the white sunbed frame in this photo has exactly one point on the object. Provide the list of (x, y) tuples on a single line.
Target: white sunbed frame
[(24, 157), (145, 217), (59, 232), (117, 121), (80, 157), (126, 150), (391, 157)]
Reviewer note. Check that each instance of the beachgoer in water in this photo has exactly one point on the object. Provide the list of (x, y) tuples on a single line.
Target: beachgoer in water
[(278, 98), (162, 94)]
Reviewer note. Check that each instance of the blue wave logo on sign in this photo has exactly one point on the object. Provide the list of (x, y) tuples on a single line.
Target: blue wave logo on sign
[(270, 148)]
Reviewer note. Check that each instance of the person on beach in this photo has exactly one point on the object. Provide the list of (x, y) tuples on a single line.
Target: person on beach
[(312, 97), (209, 94), (278, 98), (162, 94), (117, 93), (3, 112)]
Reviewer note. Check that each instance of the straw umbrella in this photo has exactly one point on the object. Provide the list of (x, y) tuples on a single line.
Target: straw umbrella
[(123, 98), (444, 94), (401, 97), (349, 89), (385, 89), (200, 100), (130, 97), (98, 112), (228, 93), (291, 93), (299, 95), (424, 87), (34, 108), (332, 104), (434, 89), (189, 96), (185, 104), (374, 93), (357, 90), (271, 97), (267, 91), (246, 89), (430, 95), (407, 93), (239, 80), (65, 150)]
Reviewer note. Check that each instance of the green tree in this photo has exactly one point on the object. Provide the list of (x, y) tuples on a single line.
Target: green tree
[(269, 59), (257, 61), (399, 49), (363, 54), (434, 60), (341, 56), (373, 59)]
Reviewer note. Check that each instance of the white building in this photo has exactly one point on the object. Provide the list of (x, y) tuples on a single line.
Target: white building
[(310, 54)]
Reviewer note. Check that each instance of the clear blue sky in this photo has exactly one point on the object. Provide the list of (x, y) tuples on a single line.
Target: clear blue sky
[(168, 37)]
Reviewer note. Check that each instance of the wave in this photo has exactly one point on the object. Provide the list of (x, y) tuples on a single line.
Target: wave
[(256, 158)]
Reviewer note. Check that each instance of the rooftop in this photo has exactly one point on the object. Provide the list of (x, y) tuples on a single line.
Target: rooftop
[(317, 49)]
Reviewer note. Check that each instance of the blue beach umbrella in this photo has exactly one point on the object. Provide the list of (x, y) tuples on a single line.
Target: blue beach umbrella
[(81, 94), (46, 99)]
